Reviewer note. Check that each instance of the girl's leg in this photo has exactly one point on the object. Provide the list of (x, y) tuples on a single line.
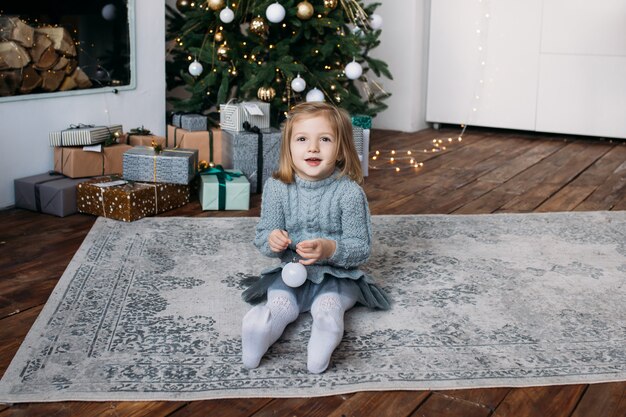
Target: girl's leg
[(327, 329), (264, 324)]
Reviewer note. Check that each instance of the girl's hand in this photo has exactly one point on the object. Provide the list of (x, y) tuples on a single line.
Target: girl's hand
[(278, 240), (315, 249)]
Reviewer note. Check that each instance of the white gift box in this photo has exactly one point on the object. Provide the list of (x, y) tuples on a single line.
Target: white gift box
[(232, 115)]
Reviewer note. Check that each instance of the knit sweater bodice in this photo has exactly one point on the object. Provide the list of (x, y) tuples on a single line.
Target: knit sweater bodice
[(334, 208)]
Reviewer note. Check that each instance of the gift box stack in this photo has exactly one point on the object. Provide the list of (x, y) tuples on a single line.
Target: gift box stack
[(80, 152), (191, 131), (255, 146), (87, 150), (154, 180)]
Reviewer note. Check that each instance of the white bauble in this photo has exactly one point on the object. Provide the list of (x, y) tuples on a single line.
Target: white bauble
[(294, 274), (275, 13), (227, 15), (195, 68), (109, 12), (353, 70), (298, 84), (376, 21), (315, 95)]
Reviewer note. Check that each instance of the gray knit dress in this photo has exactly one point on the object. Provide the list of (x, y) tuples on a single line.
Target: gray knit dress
[(334, 208)]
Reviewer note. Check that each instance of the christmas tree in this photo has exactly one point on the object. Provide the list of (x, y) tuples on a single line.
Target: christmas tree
[(282, 52)]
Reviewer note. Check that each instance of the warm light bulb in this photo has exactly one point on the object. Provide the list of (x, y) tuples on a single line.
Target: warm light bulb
[(377, 152), (397, 169), (408, 152), (393, 152)]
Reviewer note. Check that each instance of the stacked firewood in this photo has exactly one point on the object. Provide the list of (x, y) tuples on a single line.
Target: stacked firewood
[(37, 59)]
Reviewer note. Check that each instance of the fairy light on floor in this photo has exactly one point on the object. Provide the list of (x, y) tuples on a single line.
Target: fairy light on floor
[(400, 160)]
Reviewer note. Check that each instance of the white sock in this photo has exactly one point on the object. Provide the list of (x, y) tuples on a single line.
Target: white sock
[(327, 329), (263, 325)]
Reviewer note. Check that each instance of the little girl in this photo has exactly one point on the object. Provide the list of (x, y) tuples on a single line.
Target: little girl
[(313, 210)]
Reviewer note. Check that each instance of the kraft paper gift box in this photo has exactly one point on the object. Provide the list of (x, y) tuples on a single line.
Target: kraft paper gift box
[(246, 154), (128, 201), (75, 162), (47, 193), (190, 121), (232, 115), (143, 137), (211, 148), (223, 192), (83, 135), (176, 166)]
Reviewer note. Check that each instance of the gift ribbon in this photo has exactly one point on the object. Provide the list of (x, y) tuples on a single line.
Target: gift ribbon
[(362, 121), (53, 177), (156, 200), (156, 154), (222, 176), (259, 154)]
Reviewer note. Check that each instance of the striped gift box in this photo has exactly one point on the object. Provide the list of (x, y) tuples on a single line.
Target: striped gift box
[(82, 135), (233, 115)]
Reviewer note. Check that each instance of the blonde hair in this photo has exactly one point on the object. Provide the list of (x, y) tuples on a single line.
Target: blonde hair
[(347, 158)]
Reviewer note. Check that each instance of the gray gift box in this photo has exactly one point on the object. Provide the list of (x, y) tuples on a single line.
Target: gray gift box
[(245, 148), (174, 166), (191, 122), (48, 193)]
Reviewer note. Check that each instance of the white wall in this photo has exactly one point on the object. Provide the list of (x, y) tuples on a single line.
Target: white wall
[(25, 124), (404, 46)]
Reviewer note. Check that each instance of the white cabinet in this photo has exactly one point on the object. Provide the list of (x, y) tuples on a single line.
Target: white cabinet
[(546, 65)]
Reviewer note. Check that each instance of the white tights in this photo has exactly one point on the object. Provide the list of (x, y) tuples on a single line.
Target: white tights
[(264, 324)]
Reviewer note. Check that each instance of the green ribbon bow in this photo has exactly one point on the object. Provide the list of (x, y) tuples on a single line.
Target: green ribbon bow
[(222, 176)]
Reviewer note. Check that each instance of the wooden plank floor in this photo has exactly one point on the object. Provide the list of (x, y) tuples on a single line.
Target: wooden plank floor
[(488, 171)]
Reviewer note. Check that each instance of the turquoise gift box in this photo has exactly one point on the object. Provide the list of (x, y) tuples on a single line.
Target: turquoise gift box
[(219, 193)]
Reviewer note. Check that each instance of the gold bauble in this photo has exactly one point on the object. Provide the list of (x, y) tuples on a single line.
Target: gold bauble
[(222, 51), (330, 4), (219, 36), (216, 5), (305, 10), (259, 26), (266, 94)]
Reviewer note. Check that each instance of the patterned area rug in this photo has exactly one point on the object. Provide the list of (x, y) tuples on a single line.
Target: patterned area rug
[(152, 310)]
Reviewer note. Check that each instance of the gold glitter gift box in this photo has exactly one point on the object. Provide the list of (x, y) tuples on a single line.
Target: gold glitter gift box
[(112, 197)]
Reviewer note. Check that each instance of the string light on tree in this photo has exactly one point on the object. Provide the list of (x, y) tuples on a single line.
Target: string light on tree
[(183, 5), (275, 34)]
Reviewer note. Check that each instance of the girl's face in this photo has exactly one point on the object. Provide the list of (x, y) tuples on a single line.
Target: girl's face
[(313, 147)]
